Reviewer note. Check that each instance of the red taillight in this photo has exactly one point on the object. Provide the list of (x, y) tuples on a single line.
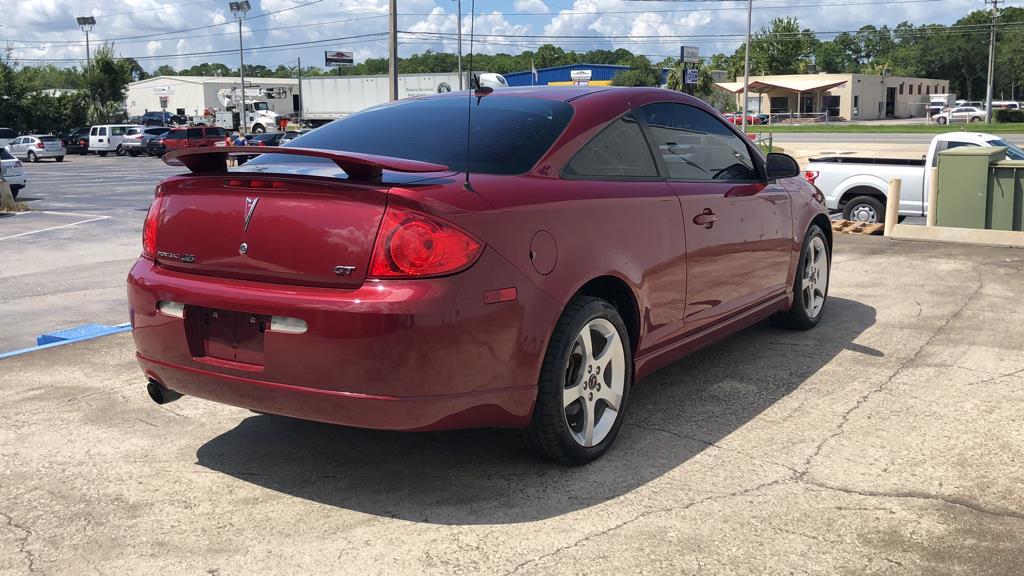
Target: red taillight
[(40, 145), (810, 176), (149, 228), (240, 183), (410, 244)]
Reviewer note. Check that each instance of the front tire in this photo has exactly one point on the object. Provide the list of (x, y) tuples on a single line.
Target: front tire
[(810, 287), (866, 209), (258, 129), (941, 120), (584, 384)]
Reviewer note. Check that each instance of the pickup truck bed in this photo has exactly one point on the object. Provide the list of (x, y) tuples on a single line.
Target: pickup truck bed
[(863, 160)]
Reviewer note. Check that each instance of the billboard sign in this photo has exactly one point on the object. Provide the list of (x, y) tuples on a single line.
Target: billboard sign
[(338, 59), (689, 54), (581, 75)]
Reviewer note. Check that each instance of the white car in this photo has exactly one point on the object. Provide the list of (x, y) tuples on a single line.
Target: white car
[(961, 114), (35, 147), (12, 172)]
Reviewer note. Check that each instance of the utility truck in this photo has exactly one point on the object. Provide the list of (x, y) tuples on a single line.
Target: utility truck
[(259, 118), (857, 186)]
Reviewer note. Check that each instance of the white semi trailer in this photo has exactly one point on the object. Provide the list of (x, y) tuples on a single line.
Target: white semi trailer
[(326, 98)]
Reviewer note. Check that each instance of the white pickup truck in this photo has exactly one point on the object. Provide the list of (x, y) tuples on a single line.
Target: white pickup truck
[(857, 186)]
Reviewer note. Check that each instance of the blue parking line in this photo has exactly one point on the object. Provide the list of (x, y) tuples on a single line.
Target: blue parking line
[(78, 334)]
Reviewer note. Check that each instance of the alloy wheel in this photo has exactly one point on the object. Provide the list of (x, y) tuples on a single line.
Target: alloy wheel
[(814, 284), (594, 379)]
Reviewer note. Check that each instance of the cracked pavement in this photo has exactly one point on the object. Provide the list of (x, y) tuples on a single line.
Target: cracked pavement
[(889, 440)]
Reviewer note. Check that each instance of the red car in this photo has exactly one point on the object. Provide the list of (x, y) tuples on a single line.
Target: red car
[(393, 275), (194, 137)]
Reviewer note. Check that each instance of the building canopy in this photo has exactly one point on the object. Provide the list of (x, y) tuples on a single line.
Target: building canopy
[(810, 84)]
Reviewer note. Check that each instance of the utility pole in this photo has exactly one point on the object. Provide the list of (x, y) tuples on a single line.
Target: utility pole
[(459, 10), (393, 50), (87, 22), (239, 9), (991, 60), (746, 68), (300, 93)]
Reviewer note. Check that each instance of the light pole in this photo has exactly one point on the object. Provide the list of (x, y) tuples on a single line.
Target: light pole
[(238, 10), (991, 61), (86, 22)]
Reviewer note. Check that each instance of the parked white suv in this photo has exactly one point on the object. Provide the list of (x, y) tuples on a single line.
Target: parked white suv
[(37, 146), (960, 114)]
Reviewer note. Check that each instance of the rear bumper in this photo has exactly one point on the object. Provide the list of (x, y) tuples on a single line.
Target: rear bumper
[(396, 355)]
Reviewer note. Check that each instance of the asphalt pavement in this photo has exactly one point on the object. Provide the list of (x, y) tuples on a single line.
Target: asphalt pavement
[(888, 440), (65, 261)]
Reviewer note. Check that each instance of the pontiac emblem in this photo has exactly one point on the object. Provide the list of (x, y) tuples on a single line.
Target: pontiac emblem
[(250, 207)]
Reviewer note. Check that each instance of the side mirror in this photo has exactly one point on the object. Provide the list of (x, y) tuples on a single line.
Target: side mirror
[(781, 166)]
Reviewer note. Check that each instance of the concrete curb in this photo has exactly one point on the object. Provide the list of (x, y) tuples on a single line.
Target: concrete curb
[(1005, 238)]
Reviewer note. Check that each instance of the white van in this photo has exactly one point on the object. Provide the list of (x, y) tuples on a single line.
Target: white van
[(108, 138), (6, 135)]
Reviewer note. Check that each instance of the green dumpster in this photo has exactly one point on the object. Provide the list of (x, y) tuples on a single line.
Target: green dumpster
[(964, 199), (1007, 189)]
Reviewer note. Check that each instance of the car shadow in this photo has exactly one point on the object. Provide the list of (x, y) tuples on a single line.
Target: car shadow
[(485, 477)]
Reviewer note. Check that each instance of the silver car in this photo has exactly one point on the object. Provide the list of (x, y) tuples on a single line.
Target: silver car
[(10, 167), (137, 139), (36, 146)]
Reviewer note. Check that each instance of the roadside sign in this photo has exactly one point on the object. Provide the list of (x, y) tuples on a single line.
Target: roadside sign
[(689, 54), (338, 59), (163, 102), (581, 75), (692, 76)]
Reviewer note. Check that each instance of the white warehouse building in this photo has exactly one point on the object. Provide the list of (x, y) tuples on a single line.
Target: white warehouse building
[(198, 95)]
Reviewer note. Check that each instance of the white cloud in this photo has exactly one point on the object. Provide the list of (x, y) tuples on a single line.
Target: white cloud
[(535, 6)]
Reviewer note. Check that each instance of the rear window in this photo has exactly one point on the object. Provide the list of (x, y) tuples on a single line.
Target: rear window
[(5, 155), (509, 134), (175, 135), (156, 131), (8, 133), (49, 139)]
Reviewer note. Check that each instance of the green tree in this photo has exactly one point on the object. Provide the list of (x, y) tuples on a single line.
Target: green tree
[(640, 73), (107, 79), (781, 48), (165, 70)]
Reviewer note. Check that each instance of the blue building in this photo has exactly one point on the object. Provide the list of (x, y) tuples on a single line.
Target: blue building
[(572, 74)]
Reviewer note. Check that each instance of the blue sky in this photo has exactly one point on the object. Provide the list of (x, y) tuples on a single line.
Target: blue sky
[(186, 32)]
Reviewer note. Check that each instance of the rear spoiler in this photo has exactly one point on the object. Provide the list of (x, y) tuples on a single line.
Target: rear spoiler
[(358, 166)]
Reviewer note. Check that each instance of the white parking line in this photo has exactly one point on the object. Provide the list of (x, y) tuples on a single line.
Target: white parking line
[(56, 227)]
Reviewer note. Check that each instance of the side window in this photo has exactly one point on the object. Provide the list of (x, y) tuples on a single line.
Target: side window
[(103, 131), (195, 133), (220, 132), (618, 151), (697, 146), (94, 131), (117, 130)]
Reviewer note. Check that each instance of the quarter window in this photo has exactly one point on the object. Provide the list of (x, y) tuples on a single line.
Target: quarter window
[(696, 146), (195, 133), (618, 151)]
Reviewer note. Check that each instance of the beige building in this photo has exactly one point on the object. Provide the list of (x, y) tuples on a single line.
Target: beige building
[(841, 96), (192, 95)]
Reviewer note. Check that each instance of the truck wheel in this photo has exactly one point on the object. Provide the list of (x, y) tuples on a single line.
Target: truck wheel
[(941, 120), (866, 209), (584, 384), (810, 287), (258, 129)]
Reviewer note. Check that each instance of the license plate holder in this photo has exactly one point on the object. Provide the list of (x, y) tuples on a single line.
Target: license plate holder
[(228, 335)]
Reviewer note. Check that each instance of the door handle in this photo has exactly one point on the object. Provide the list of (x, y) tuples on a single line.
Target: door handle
[(706, 218)]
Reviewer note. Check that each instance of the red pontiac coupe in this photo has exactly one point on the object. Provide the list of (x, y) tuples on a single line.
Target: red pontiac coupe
[(398, 269)]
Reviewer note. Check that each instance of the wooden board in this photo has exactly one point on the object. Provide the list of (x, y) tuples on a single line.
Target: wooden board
[(851, 227)]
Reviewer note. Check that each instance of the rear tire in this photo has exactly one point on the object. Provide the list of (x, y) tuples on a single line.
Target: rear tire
[(60, 158), (31, 157), (133, 153), (867, 209), (584, 384), (14, 192), (941, 120), (120, 150), (976, 119), (810, 285)]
